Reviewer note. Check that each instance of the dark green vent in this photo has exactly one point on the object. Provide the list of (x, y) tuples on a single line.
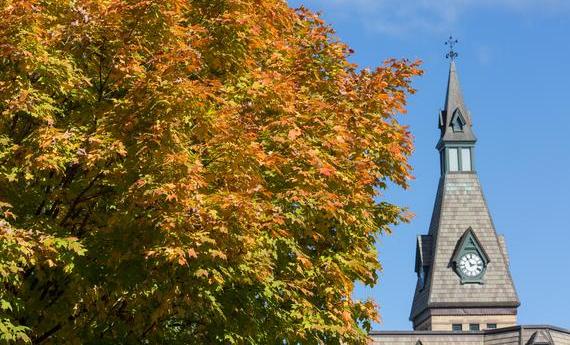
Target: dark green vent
[(457, 121)]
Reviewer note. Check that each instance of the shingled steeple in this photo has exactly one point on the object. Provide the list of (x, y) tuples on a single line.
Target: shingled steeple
[(464, 293), (454, 108), (464, 281), (456, 128)]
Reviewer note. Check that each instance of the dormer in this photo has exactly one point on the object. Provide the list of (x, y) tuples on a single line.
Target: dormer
[(457, 121)]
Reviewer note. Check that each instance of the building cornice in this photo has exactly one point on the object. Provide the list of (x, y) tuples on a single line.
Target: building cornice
[(467, 333)]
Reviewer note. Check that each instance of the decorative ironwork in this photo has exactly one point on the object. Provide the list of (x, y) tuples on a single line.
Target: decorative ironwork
[(451, 42)]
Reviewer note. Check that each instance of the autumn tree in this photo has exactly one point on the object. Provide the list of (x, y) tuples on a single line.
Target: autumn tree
[(190, 171)]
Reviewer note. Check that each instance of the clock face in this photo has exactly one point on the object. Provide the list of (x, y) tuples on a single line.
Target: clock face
[(471, 265)]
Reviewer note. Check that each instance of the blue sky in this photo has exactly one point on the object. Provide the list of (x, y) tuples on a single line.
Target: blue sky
[(514, 67)]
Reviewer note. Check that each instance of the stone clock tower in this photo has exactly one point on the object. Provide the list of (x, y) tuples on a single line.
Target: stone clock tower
[(464, 282)]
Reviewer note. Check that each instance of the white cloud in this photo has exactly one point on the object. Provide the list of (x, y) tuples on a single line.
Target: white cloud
[(401, 17)]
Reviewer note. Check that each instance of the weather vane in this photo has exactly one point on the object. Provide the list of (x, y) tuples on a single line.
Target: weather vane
[(452, 53)]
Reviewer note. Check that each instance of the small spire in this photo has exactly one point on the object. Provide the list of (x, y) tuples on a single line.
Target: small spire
[(454, 96), (454, 107), (452, 54)]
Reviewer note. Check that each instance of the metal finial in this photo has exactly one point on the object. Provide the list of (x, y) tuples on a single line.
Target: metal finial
[(451, 42)]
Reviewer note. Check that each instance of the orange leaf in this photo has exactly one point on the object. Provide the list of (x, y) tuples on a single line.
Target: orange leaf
[(294, 133), (326, 170)]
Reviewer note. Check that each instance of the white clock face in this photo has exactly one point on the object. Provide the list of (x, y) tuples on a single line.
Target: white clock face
[(471, 265)]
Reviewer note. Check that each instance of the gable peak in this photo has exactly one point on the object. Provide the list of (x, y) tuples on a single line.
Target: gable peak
[(541, 337), (469, 241)]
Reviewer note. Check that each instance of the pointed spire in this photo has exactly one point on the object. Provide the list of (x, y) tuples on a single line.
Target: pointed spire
[(455, 120), (454, 96)]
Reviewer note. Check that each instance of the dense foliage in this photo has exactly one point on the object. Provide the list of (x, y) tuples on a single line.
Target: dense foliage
[(190, 171)]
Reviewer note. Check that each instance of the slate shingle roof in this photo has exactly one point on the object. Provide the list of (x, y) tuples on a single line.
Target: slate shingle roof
[(461, 205), (453, 102)]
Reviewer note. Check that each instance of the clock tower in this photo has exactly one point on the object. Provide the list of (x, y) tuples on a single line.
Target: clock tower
[(464, 292), (464, 282)]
